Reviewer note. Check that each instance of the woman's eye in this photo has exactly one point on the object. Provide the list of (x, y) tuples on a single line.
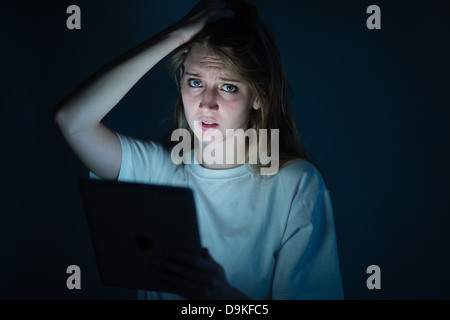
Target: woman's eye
[(195, 83), (230, 88)]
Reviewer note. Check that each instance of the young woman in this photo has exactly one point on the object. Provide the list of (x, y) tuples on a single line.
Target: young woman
[(269, 234)]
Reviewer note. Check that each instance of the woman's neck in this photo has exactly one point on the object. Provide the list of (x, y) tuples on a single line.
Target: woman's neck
[(222, 155)]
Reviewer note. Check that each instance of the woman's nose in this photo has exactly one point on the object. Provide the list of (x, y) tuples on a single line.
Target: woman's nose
[(209, 99)]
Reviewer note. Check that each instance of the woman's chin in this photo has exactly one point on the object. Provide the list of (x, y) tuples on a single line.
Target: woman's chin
[(210, 137)]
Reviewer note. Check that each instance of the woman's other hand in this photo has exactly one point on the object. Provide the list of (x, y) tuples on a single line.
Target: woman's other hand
[(195, 277)]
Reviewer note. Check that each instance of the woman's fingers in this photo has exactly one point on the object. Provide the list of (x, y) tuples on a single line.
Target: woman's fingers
[(206, 11), (181, 265), (191, 276), (178, 284)]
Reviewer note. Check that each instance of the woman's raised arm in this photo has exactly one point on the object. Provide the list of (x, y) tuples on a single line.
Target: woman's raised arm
[(79, 115)]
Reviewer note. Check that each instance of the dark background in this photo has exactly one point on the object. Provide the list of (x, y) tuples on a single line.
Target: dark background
[(372, 106)]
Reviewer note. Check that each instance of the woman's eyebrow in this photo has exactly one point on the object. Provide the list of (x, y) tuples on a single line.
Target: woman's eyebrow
[(229, 80), (193, 74), (220, 78)]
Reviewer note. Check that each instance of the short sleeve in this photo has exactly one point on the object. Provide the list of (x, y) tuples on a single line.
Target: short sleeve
[(144, 162), (307, 264)]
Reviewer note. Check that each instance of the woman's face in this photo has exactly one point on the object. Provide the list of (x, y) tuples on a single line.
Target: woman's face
[(214, 99)]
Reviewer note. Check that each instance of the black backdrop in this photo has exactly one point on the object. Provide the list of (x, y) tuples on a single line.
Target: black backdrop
[(372, 106)]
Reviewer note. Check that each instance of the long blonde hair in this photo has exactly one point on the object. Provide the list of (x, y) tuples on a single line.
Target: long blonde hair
[(248, 49)]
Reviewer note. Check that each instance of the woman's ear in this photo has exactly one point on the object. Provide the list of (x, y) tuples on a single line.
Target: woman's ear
[(256, 104)]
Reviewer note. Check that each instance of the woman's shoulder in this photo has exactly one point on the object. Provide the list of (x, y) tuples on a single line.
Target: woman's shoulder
[(302, 175), (299, 169)]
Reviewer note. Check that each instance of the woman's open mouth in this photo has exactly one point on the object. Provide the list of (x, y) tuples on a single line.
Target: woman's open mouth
[(209, 125)]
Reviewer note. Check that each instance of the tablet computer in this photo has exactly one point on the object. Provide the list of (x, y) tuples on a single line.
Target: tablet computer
[(132, 223)]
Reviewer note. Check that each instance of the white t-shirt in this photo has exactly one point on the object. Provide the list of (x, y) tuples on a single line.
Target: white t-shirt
[(274, 237)]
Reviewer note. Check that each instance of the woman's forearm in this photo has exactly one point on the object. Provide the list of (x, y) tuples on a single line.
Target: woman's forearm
[(91, 102)]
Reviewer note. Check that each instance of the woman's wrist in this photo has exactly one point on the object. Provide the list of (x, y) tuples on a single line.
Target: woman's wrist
[(182, 33)]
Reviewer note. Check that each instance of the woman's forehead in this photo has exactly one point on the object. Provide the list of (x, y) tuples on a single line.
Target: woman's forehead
[(204, 60), (204, 56)]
